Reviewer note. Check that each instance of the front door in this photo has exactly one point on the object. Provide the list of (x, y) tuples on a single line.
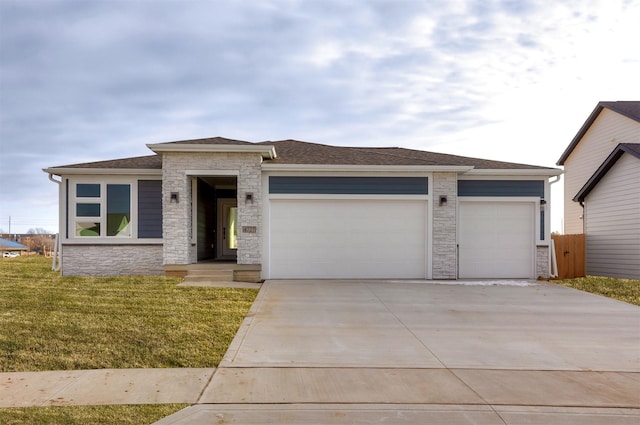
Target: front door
[(227, 229)]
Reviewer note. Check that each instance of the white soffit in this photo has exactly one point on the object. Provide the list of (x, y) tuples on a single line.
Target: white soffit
[(363, 168), (548, 172), (267, 152)]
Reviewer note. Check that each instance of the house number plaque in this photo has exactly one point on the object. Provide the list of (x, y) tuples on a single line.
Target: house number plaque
[(248, 229)]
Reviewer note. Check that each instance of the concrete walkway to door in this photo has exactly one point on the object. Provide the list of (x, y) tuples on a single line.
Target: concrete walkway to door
[(401, 352)]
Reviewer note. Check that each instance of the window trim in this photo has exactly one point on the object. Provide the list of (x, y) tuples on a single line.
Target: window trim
[(74, 200)]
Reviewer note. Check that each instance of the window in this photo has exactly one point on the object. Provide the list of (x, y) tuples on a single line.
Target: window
[(118, 210), (102, 210), (88, 209)]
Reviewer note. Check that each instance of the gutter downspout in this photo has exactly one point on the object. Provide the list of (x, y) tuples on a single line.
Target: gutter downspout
[(56, 244), (553, 263)]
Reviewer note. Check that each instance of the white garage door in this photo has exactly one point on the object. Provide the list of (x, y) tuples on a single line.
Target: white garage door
[(347, 239), (496, 240)]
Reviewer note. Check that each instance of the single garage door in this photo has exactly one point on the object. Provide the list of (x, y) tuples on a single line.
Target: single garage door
[(347, 239), (496, 240)]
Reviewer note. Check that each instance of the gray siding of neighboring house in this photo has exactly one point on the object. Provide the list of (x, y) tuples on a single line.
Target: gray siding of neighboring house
[(609, 129), (612, 222)]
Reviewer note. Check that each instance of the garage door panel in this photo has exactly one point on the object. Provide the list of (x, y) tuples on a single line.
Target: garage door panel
[(496, 239), (347, 239)]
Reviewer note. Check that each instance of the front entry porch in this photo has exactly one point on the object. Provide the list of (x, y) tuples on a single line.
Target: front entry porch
[(215, 218)]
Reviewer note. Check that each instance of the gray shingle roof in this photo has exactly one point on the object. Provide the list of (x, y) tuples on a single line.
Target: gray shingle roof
[(151, 162), (211, 141), (297, 152), (627, 108)]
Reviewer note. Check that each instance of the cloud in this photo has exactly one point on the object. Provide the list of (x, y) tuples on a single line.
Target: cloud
[(96, 80)]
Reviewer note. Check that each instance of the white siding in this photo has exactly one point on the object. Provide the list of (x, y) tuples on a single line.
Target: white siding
[(612, 222), (609, 129)]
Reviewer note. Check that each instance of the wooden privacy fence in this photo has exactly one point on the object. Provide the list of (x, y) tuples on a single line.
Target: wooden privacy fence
[(570, 256)]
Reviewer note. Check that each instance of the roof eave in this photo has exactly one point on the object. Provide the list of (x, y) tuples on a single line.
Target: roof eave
[(64, 171), (541, 172), (267, 151), (602, 170), (366, 168), (576, 139)]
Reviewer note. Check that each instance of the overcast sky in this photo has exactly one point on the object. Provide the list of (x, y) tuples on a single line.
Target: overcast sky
[(510, 80)]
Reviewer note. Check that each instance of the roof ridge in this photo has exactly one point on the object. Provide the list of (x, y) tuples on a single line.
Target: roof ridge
[(204, 140)]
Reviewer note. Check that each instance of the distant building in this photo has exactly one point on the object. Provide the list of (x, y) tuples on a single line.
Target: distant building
[(12, 246)]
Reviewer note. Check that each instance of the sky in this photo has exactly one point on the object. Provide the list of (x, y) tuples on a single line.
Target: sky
[(508, 80)]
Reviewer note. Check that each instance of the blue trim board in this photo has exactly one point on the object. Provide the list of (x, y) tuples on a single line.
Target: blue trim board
[(149, 209), (349, 185), (501, 188)]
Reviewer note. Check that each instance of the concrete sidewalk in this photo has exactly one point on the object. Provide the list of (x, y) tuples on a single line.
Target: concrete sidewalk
[(103, 386), (337, 352)]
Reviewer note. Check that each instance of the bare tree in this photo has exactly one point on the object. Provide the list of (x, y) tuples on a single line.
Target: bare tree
[(40, 242), (38, 231)]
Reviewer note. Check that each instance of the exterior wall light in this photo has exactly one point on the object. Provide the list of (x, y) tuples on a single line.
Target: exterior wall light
[(248, 197), (174, 199), (443, 200)]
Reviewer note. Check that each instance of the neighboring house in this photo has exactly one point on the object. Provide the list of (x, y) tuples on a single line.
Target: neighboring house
[(610, 124), (12, 246), (291, 209), (611, 199)]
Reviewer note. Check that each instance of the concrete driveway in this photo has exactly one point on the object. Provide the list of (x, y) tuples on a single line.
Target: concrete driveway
[(422, 352)]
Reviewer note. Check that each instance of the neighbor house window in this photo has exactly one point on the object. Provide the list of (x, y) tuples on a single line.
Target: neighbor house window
[(102, 210)]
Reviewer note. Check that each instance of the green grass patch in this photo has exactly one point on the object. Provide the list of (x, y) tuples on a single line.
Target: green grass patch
[(51, 322), (89, 415), (626, 290)]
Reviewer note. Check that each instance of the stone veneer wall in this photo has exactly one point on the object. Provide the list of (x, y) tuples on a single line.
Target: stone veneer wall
[(111, 260), (542, 261), (445, 252), (176, 221)]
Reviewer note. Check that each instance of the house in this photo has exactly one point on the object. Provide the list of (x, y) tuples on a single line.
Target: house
[(290, 209), (611, 202), (9, 246), (610, 124)]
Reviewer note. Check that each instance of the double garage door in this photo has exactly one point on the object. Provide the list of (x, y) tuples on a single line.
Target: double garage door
[(327, 238), (347, 238)]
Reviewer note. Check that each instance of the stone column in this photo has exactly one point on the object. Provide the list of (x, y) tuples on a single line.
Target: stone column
[(445, 251), (176, 216)]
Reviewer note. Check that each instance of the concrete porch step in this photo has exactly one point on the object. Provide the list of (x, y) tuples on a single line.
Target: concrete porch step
[(215, 272), (210, 278)]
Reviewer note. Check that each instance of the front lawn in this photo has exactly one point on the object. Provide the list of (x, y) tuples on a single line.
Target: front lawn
[(89, 415), (50, 322), (621, 289)]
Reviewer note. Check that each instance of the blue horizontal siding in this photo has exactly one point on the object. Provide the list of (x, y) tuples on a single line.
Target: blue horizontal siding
[(149, 208), (349, 185), (501, 188)]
